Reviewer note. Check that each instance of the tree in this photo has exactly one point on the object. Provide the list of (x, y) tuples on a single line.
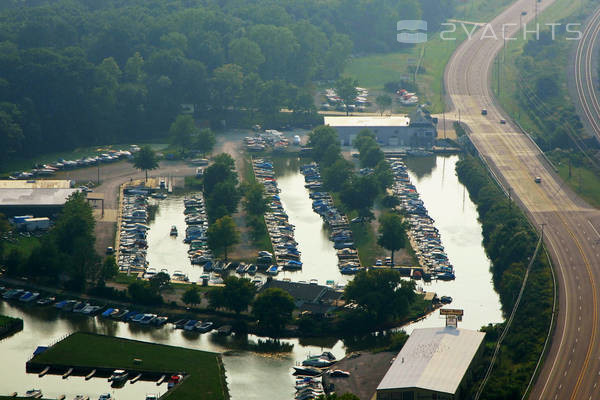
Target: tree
[(334, 396), (383, 102), (371, 155), (222, 234), (346, 90), (246, 53), (4, 228), (160, 281), (324, 141), (363, 137), (359, 194), (191, 296), (273, 309), (255, 202), (337, 174), (204, 141), (236, 295), (109, 270), (145, 160), (223, 200), (142, 293), (221, 170), (383, 294), (182, 130), (392, 233)]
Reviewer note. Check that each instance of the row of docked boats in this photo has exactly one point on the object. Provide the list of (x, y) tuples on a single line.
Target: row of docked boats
[(196, 221), (83, 307), (339, 229), (423, 235), (308, 376), (281, 231), (133, 227)]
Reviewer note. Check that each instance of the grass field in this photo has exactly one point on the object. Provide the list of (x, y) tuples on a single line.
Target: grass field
[(205, 372), (373, 71)]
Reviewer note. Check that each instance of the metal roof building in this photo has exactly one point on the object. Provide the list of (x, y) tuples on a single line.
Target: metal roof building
[(39, 198), (398, 130), (432, 365)]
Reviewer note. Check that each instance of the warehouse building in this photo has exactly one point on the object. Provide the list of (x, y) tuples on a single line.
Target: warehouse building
[(42, 198), (433, 364), (418, 130)]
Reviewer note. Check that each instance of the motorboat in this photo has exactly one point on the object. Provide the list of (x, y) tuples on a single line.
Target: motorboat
[(118, 376), (204, 327), (174, 380), (307, 371), (34, 393), (173, 231), (147, 319), (189, 326)]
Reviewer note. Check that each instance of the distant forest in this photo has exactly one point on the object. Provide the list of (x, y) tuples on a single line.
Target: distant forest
[(86, 72)]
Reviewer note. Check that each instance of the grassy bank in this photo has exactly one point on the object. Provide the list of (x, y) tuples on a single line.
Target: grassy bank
[(259, 233), (204, 370), (9, 325), (534, 92), (509, 241)]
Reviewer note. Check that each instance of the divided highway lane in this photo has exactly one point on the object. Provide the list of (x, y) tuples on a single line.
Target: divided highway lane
[(572, 366), (584, 74)]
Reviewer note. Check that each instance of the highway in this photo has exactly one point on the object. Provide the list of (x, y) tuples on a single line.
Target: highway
[(572, 367), (583, 71)]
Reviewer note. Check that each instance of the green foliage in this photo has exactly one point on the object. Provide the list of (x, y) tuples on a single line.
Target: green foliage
[(182, 131), (145, 160), (236, 295), (273, 309), (392, 232), (221, 189), (334, 396), (191, 296), (325, 144), (159, 282), (142, 293), (204, 141), (346, 90), (222, 234), (337, 174), (384, 102), (255, 203), (382, 294), (359, 194)]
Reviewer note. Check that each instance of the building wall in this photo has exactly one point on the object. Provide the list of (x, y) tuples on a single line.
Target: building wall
[(412, 394), (406, 136)]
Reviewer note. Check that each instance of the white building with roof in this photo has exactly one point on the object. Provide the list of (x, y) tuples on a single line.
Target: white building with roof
[(35, 197), (432, 365), (418, 130)]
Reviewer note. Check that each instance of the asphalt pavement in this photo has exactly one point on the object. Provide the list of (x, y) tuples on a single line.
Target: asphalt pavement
[(571, 369)]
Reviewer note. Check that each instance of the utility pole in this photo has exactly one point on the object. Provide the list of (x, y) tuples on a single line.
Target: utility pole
[(498, 74), (510, 198), (98, 182), (543, 224), (570, 172), (444, 118)]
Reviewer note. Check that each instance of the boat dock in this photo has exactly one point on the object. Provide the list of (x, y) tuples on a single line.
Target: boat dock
[(281, 232), (340, 233), (422, 233)]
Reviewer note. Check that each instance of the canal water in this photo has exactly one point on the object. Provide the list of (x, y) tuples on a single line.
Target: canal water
[(455, 215), (255, 370)]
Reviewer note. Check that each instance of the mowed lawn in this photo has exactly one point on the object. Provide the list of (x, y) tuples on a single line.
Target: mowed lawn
[(205, 376)]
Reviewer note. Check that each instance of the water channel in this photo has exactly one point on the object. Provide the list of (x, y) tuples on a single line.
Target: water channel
[(253, 374)]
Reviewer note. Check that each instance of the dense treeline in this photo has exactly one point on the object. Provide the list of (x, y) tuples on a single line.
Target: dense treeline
[(81, 72), (509, 242)]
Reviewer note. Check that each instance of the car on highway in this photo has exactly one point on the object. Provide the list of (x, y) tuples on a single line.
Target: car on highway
[(483, 111), (538, 179), (503, 121)]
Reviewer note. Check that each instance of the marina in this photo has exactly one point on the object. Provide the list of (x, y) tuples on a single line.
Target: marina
[(446, 202), (281, 231), (423, 235), (340, 233)]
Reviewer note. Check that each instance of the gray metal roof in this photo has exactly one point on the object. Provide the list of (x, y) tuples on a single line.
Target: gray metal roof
[(35, 184), (34, 197), (367, 121), (434, 359)]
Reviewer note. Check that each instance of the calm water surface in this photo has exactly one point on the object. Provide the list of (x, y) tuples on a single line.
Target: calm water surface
[(252, 374)]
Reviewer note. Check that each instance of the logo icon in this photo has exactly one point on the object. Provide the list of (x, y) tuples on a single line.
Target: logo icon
[(411, 31)]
